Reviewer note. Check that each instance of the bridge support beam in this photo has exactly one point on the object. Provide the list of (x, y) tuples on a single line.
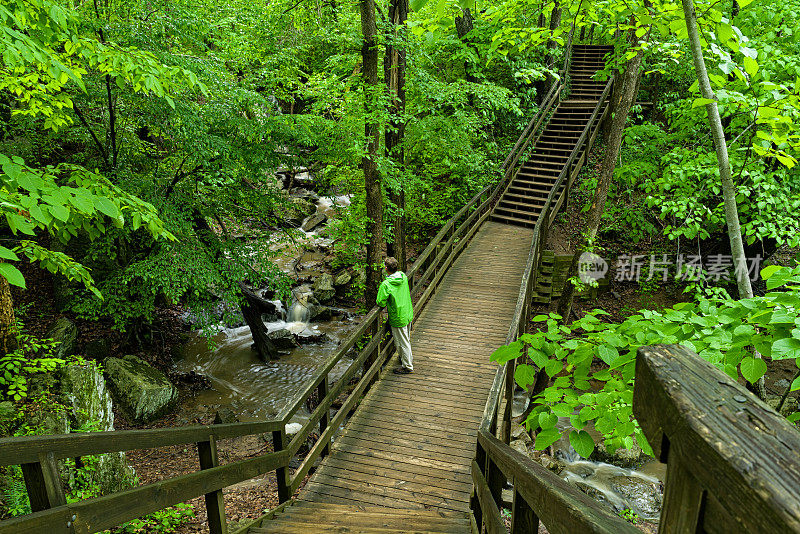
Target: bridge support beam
[(215, 503)]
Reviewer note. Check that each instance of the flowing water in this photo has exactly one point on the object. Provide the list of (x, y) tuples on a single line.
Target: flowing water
[(255, 389), (639, 490)]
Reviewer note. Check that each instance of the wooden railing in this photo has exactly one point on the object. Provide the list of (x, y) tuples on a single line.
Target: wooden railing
[(733, 463), (38, 454), (488, 477)]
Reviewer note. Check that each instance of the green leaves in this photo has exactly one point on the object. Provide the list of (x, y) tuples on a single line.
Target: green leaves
[(582, 442), (12, 274), (752, 368)]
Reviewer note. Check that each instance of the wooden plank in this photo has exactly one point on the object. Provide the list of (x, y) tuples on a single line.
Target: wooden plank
[(337, 465), (561, 507), (732, 445), (105, 512), (26, 449), (397, 466), (490, 512), (215, 503)]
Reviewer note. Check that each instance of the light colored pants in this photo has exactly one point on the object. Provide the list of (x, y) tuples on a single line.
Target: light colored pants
[(402, 342)]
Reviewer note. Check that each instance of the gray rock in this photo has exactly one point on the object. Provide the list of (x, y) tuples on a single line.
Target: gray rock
[(309, 336), (313, 221), (65, 332), (519, 432), (283, 339), (98, 349), (83, 389), (782, 384), (630, 458), (789, 407), (318, 312), (142, 391), (323, 288), (52, 418), (226, 415), (41, 383), (643, 496), (342, 279), (519, 446)]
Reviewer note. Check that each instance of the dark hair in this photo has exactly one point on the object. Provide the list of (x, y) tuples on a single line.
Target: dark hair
[(391, 265)]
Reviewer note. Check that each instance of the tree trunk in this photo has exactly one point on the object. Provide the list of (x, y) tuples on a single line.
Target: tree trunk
[(372, 181), (8, 338), (394, 66), (622, 100), (252, 309), (555, 22), (728, 187)]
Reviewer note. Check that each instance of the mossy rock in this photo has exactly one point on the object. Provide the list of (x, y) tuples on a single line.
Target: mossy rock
[(65, 332), (143, 392)]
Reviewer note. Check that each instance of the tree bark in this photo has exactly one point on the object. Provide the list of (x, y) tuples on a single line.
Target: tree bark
[(372, 181), (622, 100), (8, 339), (728, 187), (394, 66), (252, 309)]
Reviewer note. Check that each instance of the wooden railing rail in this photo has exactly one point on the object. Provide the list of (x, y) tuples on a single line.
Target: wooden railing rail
[(540, 494), (733, 463), (492, 422)]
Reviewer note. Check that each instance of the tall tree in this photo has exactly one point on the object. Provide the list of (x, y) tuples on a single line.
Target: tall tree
[(394, 65), (728, 187), (372, 180)]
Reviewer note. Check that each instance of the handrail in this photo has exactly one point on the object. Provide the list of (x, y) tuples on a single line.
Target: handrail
[(732, 461), (26, 449), (568, 510)]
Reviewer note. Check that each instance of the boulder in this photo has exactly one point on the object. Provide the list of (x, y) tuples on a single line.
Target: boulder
[(313, 221), (318, 312), (323, 288), (83, 389), (225, 415), (65, 332), (632, 458), (519, 432), (283, 339), (342, 279), (310, 336), (643, 497), (143, 392)]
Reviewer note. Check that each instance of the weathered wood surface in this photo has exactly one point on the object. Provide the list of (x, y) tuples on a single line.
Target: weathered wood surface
[(411, 442), (733, 463), (560, 506), (26, 449)]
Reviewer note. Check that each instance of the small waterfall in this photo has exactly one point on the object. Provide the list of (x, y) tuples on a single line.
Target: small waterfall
[(298, 311)]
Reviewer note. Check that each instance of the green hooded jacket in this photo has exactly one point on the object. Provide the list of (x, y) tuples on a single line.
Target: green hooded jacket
[(396, 297)]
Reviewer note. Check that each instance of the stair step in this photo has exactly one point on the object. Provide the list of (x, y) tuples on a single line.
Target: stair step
[(535, 204), (513, 220), (530, 215)]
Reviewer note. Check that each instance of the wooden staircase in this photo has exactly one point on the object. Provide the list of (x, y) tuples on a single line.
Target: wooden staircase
[(308, 517), (532, 183)]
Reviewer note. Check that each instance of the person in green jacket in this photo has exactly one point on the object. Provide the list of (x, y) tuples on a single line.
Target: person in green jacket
[(394, 295)]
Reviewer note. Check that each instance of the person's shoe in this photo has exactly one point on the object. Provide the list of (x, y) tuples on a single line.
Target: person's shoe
[(402, 371)]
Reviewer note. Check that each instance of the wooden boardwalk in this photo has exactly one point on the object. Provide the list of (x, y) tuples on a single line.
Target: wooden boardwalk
[(410, 444)]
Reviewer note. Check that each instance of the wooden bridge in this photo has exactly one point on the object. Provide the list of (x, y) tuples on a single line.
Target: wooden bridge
[(427, 452)]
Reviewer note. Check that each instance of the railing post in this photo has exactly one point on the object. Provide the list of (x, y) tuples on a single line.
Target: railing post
[(495, 480), (215, 503), (281, 474), (43, 483), (322, 393), (506, 424), (523, 518)]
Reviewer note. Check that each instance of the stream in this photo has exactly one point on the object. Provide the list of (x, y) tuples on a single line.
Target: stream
[(639, 490), (240, 380)]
